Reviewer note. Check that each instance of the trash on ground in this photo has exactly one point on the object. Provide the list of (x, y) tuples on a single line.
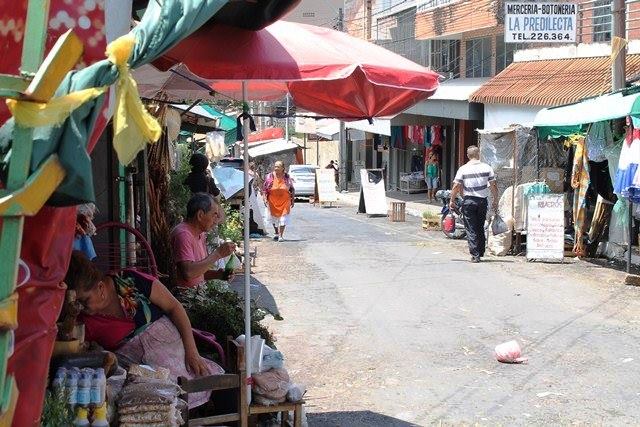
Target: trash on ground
[(509, 352)]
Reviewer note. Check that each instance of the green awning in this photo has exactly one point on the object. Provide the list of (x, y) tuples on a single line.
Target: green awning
[(574, 118), (226, 123)]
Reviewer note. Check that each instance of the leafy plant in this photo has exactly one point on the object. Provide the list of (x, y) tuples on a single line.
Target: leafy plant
[(56, 411), (217, 309), (428, 215), (231, 229), (179, 193)]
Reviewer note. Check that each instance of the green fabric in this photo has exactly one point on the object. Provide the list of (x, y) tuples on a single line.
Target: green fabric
[(545, 132), (163, 25), (432, 170), (226, 123)]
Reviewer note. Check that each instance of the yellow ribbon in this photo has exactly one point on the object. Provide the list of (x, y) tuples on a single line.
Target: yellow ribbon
[(132, 124), (52, 113)]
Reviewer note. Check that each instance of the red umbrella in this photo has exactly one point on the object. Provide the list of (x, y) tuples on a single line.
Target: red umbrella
[(325, 71)]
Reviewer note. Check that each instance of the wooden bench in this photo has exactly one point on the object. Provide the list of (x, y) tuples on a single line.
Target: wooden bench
[(237, 364), (232, 381), (216, 383)]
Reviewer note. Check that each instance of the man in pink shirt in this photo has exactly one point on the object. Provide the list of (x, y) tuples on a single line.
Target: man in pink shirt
[(189, 242)]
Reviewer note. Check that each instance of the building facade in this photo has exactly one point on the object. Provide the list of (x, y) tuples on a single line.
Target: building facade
[(487, 83)]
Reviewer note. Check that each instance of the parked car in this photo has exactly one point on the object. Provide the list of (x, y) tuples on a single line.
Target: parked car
[(231, 162), (304, 179)]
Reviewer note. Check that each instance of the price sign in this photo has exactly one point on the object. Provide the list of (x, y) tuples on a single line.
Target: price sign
[(545, 226), (326, 185)]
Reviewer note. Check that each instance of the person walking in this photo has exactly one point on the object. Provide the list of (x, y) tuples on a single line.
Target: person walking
[(475, 180), (332, 165), (432, 176), (279, 195)]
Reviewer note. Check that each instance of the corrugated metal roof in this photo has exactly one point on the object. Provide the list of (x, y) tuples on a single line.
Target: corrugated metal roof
[(552, 82)]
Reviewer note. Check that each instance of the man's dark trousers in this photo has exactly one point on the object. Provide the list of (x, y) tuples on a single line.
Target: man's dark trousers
[(475, 214)]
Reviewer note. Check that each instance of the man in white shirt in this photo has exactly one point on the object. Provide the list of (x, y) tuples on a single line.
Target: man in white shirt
[(474, 180)]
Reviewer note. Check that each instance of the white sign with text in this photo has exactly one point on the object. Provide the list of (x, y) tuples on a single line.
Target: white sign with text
[(545, 226), (534, 22), (326, 186)]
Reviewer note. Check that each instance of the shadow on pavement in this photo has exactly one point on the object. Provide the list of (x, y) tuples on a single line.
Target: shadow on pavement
[(259, 293), (354, 419)]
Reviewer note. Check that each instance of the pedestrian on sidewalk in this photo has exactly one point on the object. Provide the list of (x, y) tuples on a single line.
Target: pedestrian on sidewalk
[(279, 195), (332, 165), (475, 179), (432, 176)]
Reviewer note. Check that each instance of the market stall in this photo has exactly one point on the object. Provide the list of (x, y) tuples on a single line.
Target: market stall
[(601, 136)]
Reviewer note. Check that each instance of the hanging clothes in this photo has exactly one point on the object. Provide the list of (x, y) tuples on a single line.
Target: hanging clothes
[(601, 179), (627, 181), (419, 135), (396, 136), (436, 135), (580, 183), (426, 141), (598, 137), (568, 169)]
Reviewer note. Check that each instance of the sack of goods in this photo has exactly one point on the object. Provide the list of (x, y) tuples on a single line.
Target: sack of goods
[(150, 401)]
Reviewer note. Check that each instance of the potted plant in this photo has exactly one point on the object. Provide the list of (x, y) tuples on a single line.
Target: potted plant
[(430, 221)]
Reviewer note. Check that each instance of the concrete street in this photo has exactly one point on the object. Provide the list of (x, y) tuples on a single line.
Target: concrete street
[(389, 325)]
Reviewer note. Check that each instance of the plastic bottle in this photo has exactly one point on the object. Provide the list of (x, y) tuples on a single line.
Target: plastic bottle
[(82, 419), (98, 387), (84, 389), (72, 388), (100, 416), (60, 379)]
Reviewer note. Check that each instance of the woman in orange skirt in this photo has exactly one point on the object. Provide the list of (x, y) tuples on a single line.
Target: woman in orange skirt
[(279, 196)]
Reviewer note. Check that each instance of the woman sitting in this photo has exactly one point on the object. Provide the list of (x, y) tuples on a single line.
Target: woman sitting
[(134, 315)]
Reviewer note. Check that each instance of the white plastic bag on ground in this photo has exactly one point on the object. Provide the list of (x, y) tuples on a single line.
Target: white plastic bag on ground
[(509, 352)]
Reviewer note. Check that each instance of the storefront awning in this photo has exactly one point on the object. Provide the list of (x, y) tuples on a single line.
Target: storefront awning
[(570, 119), (552, 82), (330, 128), (451, 100), (272, 147)]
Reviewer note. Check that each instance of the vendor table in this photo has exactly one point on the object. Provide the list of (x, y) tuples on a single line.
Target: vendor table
[(412, 183)]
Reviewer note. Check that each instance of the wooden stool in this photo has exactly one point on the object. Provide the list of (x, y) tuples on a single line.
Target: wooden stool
[(284, 409), (398, 212)]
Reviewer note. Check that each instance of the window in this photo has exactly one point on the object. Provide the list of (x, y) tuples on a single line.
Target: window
[(445, 57), (504, 53), (479, 57), (602, 21)]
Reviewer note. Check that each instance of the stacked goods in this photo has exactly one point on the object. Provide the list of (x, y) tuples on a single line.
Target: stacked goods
[(149, 401)]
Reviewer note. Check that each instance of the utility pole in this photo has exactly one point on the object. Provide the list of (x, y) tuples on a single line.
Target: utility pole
[(286, 121), (618, 78), (618, 65), (342, 176)]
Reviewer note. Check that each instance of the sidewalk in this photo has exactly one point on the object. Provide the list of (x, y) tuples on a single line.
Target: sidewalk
[(416, 204)]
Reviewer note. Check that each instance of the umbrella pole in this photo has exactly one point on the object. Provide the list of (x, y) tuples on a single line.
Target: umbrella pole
[(247, 263)]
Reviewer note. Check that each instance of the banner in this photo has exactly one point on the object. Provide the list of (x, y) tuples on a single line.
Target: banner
[(540, 22)]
